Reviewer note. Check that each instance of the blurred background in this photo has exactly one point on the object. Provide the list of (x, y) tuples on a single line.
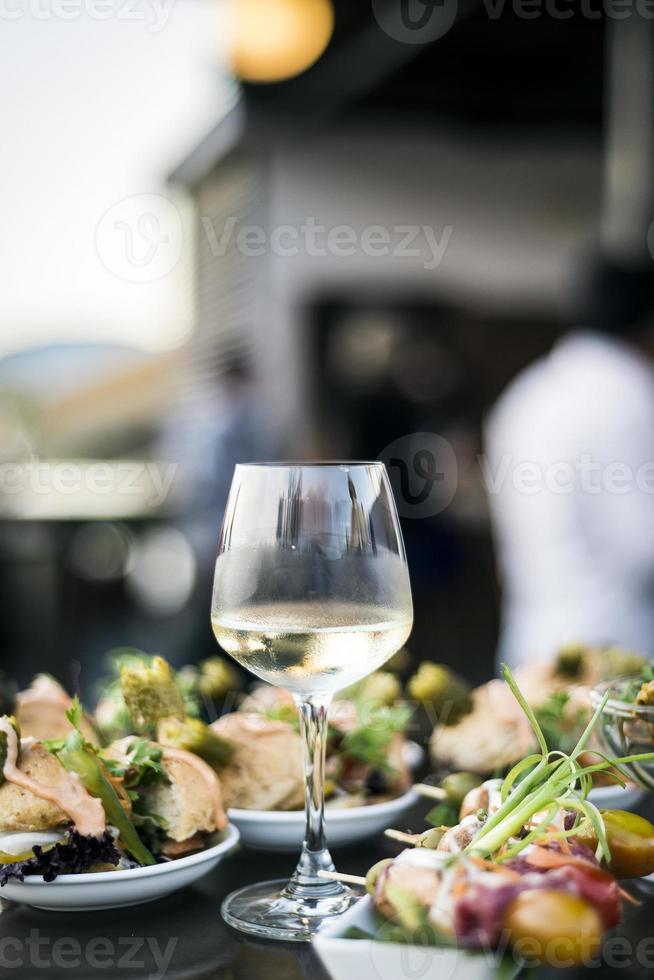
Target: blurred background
[(259, 229)]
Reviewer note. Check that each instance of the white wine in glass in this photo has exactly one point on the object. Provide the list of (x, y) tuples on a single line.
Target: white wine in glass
[(311, 593), (326, 646)]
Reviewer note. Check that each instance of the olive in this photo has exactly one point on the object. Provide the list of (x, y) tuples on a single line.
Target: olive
[(374, 872), (446, 692), (431, 838), (553, 927), (216, 679), (457, 786), (631, 842)]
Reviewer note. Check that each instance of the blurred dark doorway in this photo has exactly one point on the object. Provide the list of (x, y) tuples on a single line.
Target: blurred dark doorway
[(379, 373)]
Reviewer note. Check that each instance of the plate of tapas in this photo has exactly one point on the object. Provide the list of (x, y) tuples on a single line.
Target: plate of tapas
[(88, 825), (531, 873), (368, 765), (484, 731)]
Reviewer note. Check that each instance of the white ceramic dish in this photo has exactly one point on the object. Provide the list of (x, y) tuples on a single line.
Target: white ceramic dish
[(274, 830), (352, 959), (114, 889), (617, 797)]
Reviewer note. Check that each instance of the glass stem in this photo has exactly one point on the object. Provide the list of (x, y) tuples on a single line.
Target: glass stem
[(315, 857)]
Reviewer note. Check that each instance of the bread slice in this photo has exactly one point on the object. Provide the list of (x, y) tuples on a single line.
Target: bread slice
[(41, 711), (20, 809), (265, 772), (185, 801)]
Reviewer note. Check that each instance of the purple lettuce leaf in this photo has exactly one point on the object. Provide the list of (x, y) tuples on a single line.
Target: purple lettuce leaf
[(75, 853)]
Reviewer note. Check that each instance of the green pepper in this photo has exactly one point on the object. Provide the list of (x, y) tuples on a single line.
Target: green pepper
[(193, 735), (631, 842), (150, 693), (78, 759)]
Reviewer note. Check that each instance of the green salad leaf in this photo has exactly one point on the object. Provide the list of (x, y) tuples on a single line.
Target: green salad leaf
[(560, 727), (81, 758), (141, 766), (369, 742)]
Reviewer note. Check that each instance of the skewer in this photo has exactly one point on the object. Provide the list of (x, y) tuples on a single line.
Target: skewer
[(338, 876), (401, 836), (431, 792)]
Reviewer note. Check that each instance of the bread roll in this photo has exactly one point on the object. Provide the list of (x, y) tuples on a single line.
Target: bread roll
[(20, 809), (265, 771)]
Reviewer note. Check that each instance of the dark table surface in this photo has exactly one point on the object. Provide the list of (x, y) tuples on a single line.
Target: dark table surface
[(183, 936)]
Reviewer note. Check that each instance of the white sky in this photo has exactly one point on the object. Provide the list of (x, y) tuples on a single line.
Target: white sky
[(94, 111)]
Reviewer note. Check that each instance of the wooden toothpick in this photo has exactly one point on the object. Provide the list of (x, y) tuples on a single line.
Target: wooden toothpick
[(401, 836), (339, 876), (431, 792)]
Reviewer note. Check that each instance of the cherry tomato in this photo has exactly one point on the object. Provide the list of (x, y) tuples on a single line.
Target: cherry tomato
[(631, 842), (554, 927)]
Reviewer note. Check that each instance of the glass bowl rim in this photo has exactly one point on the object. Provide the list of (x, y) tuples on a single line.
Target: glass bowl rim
[(617, 706)]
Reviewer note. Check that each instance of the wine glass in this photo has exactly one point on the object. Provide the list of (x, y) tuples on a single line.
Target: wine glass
[(311, 593)]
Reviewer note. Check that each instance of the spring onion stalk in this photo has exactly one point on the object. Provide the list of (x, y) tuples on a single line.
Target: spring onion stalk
[(542, 825), (551, 781)]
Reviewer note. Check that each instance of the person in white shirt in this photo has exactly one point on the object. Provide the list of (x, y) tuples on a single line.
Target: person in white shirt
[(569, 470)]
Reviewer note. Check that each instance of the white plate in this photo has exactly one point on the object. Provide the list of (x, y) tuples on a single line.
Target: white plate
[(352, 959), (276, 830), (113, 889), (617, 797)]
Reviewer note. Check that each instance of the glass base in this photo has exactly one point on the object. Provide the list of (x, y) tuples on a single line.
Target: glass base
[(282, 910)]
